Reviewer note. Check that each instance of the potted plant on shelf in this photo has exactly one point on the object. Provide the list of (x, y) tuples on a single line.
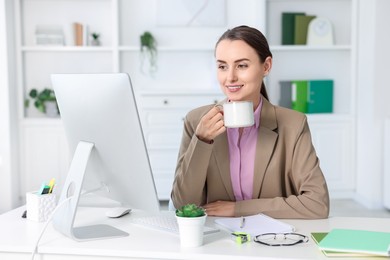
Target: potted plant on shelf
[(95, 39), (191, 219), (45, 101), (149, 52)]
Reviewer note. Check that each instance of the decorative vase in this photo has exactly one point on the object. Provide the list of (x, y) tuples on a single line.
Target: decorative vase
[(191, 230), (95, 42), (51, 109)]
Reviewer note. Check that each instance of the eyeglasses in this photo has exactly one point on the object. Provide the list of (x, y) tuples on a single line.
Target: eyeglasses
[(283, 239)]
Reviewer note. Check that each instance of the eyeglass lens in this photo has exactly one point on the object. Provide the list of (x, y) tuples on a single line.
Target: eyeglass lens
[(281, 239)]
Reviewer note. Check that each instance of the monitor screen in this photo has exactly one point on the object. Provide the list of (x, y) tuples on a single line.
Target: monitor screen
[(104, 133)]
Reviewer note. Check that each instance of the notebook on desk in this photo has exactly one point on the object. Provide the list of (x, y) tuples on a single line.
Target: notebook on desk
[(255, 225), (357, 241)]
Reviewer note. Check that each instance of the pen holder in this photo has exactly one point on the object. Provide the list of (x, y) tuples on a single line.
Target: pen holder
[(40, 206)]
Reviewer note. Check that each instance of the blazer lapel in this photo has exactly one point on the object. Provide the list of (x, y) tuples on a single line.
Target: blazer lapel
[(222, 159), (265, 145)]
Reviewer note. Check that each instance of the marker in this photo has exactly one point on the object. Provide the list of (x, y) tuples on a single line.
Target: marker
[(46, 190), (51, 185), (42, 188)]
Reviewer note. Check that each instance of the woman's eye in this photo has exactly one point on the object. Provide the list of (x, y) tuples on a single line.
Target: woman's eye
[(242, 66), (222, 67)]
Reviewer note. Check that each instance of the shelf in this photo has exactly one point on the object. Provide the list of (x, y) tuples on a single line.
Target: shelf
[(66, 49), (328, 117), (310, 48), (170, 48), (41, 121)]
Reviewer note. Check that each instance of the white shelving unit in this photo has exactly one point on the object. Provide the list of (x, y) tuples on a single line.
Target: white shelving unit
[(186, 71)]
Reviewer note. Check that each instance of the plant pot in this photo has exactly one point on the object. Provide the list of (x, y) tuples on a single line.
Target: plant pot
[(95, 42), (191, 230), (51, 109)]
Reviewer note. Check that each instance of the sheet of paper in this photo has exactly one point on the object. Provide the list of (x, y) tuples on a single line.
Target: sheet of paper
[(255, 225)]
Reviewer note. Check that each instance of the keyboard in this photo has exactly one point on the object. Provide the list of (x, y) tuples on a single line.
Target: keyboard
[(166, 223)]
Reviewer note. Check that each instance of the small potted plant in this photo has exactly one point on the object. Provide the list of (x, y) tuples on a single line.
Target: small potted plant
[(191, 219), (149, 52), (45, 101), (95, 39)]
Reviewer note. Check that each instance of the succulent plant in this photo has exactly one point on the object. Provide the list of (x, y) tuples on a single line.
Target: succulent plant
[(190, 211)]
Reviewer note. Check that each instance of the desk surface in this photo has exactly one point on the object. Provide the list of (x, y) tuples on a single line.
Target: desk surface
[(18, 236)]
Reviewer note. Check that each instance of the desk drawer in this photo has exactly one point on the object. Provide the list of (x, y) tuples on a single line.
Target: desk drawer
[(185, 101)]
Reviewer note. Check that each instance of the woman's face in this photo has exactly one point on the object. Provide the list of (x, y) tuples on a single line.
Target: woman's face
[(240, 71)]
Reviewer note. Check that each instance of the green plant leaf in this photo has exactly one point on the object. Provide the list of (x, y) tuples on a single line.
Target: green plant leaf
[(40, 97), (190, 211)]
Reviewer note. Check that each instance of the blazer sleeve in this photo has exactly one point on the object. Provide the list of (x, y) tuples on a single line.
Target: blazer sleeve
[(191, 169)]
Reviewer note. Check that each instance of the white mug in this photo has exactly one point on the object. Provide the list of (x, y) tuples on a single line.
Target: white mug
[(238, 114)]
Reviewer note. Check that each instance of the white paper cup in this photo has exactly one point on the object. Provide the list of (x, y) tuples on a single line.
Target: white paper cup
[(238, 114), (191, 231)]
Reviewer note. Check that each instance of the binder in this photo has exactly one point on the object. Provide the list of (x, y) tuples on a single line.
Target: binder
[(301, 27), (299, 95), (285, 94), (320, 96), (357, 241), (288, 27)]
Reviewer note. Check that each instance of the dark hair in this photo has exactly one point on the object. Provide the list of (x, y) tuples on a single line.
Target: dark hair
[(253, 38)]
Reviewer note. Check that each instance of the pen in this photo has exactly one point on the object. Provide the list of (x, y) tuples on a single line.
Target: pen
[(242, 223)]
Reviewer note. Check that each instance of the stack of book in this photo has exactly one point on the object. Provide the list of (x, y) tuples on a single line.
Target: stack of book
[(353, 243), (307, 96), (294, 27), (80, 34)]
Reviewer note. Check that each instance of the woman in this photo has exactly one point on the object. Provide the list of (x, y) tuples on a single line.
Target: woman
[(270, 167)]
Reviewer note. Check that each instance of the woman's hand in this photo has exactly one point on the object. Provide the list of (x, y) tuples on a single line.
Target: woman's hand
[(220, 208), (211, 125)]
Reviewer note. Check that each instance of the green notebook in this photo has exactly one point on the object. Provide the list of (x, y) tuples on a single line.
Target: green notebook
[(288, 28), (301, 27), (357, 241), (318, 236)]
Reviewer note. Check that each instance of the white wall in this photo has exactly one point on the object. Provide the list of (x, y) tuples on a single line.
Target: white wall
[(373, 95), (8, 117)]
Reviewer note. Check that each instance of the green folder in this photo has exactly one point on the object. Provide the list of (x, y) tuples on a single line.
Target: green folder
[(288, 27), (301, 27), (299, 95), (320, 96), (358, 241)]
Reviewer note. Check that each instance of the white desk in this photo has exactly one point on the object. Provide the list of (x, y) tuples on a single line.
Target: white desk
[(18, 236)]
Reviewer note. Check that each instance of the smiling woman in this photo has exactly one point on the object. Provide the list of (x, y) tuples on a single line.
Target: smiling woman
[(270, 167)]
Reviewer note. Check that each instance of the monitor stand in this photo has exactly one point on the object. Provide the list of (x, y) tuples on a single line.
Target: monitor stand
[(63, 219)]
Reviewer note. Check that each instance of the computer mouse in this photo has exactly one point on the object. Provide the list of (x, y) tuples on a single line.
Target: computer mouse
[(117, 212)]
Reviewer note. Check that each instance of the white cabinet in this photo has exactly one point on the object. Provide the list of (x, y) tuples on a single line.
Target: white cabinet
[(185, 78), (162, 115), (44, 154)]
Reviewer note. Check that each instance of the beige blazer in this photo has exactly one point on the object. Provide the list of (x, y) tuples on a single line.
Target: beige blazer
[(288, 181)]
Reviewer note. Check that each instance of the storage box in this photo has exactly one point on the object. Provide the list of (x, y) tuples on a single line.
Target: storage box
[(39, 207)]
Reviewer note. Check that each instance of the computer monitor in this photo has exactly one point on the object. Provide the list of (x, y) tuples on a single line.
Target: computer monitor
[(104, 133)]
